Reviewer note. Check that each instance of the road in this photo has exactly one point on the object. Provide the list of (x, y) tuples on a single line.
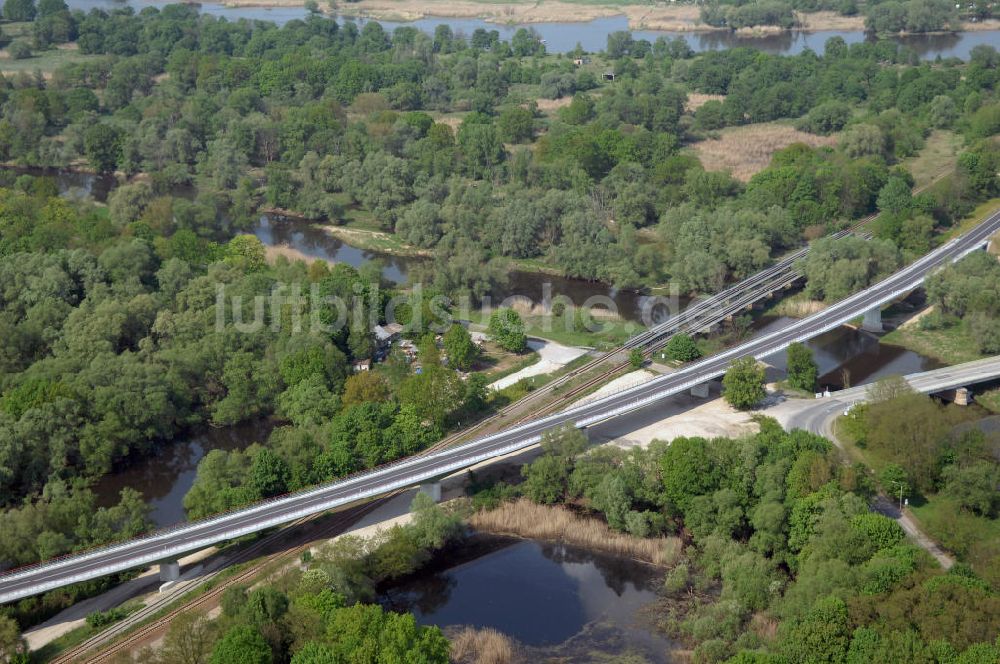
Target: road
[(819, 415), (188, 537)]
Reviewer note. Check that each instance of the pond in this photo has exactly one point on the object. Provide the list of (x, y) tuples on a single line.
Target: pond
[(557, 600), (561, 37)]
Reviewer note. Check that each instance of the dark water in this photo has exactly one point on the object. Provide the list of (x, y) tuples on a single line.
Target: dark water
[(70, 184), (166, 475), (851, 356), (311, 240), (592, 35), (562, 601)]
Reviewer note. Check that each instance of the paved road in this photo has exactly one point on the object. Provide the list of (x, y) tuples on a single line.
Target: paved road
[(168, 544), (818, 417)]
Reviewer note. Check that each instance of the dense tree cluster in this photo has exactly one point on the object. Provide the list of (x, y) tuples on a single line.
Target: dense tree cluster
[(781, 530), (314, 615), (967, 294), (335, 117)]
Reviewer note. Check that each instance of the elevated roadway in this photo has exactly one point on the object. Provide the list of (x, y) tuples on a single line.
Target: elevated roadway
[(170, 543)]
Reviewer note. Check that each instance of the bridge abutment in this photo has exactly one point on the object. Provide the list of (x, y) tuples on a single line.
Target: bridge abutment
[(873, 320)]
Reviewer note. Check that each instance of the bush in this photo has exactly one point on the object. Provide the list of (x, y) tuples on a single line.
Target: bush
[(99, 619), (19, 50), (743, 384), (682, 348), (826, 118)]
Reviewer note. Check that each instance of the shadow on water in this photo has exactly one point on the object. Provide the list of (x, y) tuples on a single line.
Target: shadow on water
[(849, 357), (546, 596), (165, 475)]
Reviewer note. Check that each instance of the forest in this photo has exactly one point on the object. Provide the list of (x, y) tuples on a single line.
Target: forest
[(784, 560), (108, 313)]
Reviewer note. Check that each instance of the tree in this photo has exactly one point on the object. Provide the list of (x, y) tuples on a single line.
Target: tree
[(975, 486), (943, 111), (11, 643), (862, 140), (802, 369), (822, 636), (460, 348), (688, 471), (19, 50), (895, 481), (246, 252), (743, 384), (507, 330), (50, 7), (516, 124), (102, 145), (682, 348), (364, 387), (242, 644), (269, 474), (19, 10), (636, 358)]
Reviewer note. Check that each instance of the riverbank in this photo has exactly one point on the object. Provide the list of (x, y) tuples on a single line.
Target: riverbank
[(683, 18)]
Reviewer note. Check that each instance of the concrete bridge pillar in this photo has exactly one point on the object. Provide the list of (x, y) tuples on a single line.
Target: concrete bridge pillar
[(873, 320), (432, 489), (963, 397), (170, 571), (700, 391)]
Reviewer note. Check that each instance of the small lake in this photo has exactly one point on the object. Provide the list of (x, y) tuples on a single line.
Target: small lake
[(562, 37), (560, 601)]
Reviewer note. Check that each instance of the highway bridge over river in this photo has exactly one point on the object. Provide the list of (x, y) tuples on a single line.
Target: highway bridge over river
[(170, 543)]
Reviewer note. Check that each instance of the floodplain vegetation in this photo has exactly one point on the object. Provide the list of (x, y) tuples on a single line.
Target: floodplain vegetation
[(108, 314)]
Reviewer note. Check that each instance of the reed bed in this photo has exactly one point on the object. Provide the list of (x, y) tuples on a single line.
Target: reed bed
[(745, 151), (527, 519), (481, 646)]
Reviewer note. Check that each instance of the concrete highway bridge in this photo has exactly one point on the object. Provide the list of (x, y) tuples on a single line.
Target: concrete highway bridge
[(170, 543)]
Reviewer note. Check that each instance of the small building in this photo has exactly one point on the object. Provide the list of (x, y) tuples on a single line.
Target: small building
[(362, 365), (386, 334)]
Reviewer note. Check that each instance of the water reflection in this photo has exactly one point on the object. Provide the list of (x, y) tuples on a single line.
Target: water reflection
[(540, 594), (301, 239), (849, 357), (164, 476)]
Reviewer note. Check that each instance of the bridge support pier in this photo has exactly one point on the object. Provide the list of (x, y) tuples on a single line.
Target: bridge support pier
[(432, 489), (873, 320), (963, 397), (700, 391)]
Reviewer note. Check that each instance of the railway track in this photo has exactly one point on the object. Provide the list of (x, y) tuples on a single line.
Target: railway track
[(696, 318), (85, 652)]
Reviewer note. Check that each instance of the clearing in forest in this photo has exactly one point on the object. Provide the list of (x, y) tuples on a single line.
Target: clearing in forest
[(744, 151)]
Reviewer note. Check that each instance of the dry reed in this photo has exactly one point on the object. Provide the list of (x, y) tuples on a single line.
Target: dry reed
[(696, 100), (527, 519), (745, 151), (481, 646)]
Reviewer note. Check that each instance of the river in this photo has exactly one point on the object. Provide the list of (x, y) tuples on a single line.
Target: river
[(562, 37), (559, 602), (843, 354)]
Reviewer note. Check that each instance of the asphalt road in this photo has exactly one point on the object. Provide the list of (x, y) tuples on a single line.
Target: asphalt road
[(168, 544)]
